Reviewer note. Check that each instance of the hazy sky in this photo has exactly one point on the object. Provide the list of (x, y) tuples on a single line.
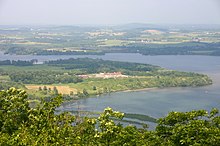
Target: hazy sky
[(69, 12)]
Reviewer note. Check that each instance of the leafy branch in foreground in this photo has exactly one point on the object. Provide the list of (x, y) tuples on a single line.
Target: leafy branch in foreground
[(22, 125)]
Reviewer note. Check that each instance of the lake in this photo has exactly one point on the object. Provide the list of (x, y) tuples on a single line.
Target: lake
[(155, 102)]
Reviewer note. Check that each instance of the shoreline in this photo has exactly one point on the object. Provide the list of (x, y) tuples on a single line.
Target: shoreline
[(154, 88), (142, 89)]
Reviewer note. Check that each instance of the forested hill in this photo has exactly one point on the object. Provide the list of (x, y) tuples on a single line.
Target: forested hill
[(99, 65)]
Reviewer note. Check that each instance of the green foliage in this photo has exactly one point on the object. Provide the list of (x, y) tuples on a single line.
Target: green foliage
[(89, 66), (4, 85), (14, 110), (190, 128), (18, 63), (43, 77), (85, 93), (22, 125), (94, 88)]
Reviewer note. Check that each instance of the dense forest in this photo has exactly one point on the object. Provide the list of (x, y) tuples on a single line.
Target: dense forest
[(21, 124), (43, 77), (98, 65)]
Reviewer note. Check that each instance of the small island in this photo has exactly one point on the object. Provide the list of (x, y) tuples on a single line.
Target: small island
[(84, 77)]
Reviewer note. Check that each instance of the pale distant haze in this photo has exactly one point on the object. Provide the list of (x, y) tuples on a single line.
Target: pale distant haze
[(70, 12)]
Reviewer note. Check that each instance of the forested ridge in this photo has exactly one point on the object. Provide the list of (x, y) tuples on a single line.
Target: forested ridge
[(98, 65), (21, 124)]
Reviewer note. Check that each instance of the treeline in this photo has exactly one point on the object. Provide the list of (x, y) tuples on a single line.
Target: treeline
[(169, 49), (18, 62), (22, 125), (43, 77), (88, 65)]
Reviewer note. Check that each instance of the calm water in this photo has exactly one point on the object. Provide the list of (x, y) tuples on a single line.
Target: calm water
[(157, 102)]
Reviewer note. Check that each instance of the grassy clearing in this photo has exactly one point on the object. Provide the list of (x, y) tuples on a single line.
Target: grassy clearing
[(62, 89), (96, 86), (99, 86), (113, 85)]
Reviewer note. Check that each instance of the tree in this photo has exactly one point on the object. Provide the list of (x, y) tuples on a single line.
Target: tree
[(190, 128), (94, 88), (71, 93), (85, 93), (22, 125), (40, 89), (55, 90), (14, 109), (45, 88)]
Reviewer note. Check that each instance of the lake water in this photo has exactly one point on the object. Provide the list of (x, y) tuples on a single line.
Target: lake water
[(156, 102)]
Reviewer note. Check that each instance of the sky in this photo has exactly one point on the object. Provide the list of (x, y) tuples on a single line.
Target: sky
[(99, 12)]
